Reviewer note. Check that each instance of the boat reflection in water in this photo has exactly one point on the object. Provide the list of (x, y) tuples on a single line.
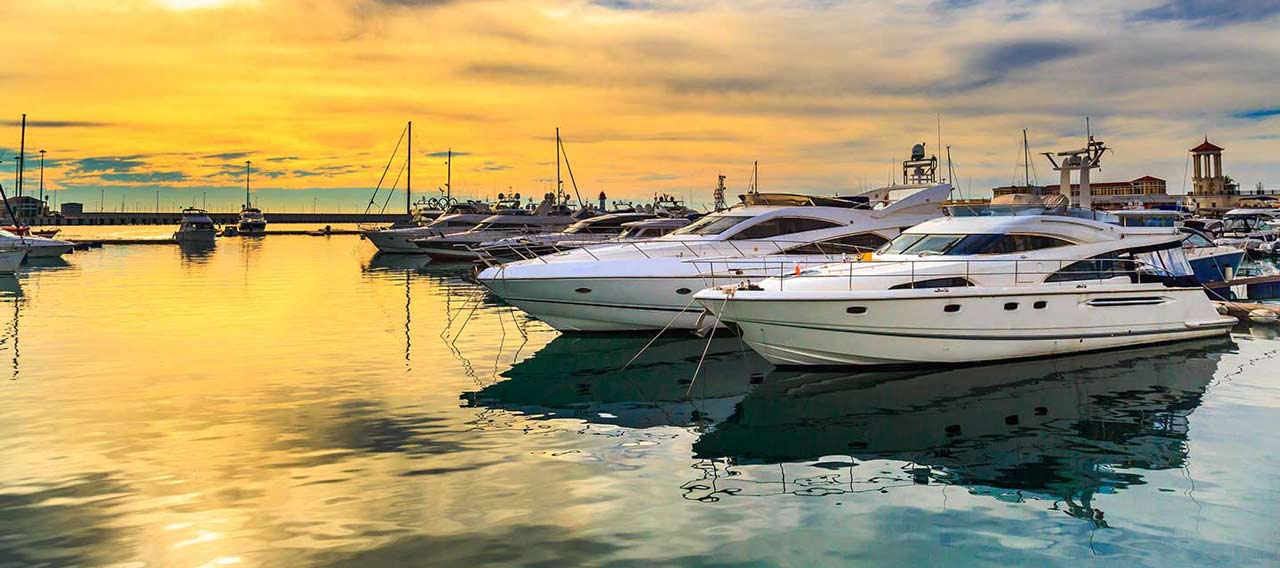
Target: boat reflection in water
[(1061, 430), (577, 377)]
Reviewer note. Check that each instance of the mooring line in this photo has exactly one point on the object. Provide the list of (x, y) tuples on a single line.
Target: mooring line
[(660, 332), (707, 348)]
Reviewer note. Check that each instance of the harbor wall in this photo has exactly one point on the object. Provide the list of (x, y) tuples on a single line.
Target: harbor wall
[(221, 218)]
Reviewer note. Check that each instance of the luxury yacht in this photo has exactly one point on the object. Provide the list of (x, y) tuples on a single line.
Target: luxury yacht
[(1007, 283), (549, 216), (34, 246), (196, 226), (591, 230), (457, 218), (649, 285), (1210, 262)]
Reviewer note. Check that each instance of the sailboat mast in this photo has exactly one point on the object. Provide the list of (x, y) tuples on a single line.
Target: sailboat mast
[(1026, 160), (558, 182), (448, 176), (247, 203), (408, 184), (22, 156)]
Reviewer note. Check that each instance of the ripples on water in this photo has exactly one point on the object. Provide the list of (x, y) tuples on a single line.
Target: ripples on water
[(297, 401)]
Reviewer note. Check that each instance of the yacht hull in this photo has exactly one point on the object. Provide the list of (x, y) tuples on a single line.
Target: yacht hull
[(252, 228), (653, 295), (49, 251), (446, 253), (918, 326), (196, 236), (1215, 266), (605, 304), (396, 241), (10, 260)]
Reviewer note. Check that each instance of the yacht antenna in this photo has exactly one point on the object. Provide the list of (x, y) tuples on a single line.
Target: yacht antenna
[(448, 176), (42, 176), (408, 182), (720, 205)]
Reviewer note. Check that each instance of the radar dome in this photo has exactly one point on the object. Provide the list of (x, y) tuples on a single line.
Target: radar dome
[(917, 152)]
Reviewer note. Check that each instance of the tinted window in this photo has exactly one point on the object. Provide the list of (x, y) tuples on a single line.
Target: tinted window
[(713, 225), (1093, 269), (782, 226), (1009, 244), (864, 242), (935, 283)]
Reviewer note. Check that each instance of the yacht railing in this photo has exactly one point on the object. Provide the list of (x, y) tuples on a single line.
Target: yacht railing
[(931, 273), (690, 249)]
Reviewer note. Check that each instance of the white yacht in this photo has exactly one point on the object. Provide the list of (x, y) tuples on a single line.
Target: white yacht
[(1005, 284), (34, 246), (457, 218), (649, 285), (11, 258), (549, 216), (196, 226)]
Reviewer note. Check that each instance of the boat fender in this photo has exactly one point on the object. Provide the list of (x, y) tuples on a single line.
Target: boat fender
[(1264, 316), (1222, 309)]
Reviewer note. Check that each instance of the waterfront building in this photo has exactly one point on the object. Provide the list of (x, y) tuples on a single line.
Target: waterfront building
[(1214, 192), (1145, 192)]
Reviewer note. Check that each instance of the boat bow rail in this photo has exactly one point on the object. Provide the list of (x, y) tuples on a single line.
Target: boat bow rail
[(863, 274)]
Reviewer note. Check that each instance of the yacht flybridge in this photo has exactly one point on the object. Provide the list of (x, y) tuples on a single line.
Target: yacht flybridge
[(986, 284), (649, 285)]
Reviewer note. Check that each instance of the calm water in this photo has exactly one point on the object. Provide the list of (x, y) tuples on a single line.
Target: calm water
[(293, 401)]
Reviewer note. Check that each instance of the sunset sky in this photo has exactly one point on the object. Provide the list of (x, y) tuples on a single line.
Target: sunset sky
[(135, 96)]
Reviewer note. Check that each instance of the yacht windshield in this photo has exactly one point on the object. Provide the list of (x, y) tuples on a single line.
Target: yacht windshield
[(1148, 220), (964, 245), (713, 225), (1244, 223)]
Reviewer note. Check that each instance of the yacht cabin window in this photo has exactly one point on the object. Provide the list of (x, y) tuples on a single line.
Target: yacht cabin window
[(965, 245), (863, 242), (711, 225), (779, 226)]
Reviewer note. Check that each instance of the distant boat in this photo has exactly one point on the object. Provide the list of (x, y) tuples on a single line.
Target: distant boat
[(196, 226), (251, 220), (10, 259)]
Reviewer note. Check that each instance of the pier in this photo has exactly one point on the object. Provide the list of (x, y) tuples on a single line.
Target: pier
[(174, 217)]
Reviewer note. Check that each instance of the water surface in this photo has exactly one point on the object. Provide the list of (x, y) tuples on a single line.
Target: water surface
[(296, 401)]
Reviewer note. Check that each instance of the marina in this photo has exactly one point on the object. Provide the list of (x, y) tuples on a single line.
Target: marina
[(639, 283), (406, 428)]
